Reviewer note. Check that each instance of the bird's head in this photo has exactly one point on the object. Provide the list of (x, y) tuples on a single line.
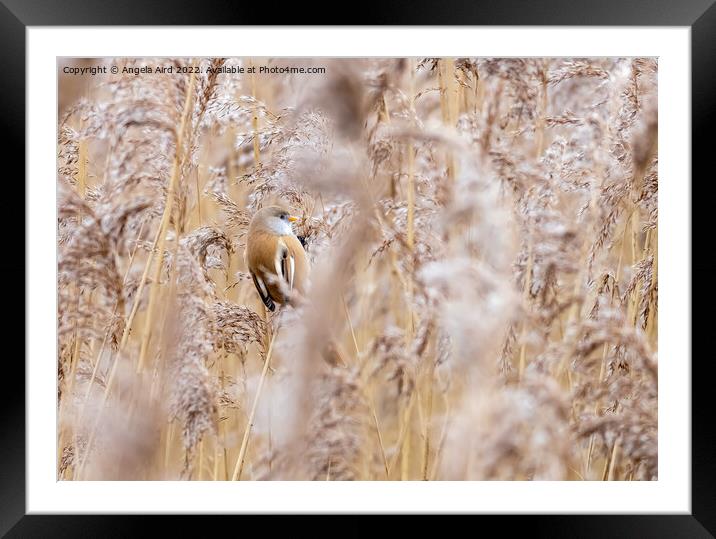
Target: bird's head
[(274, 219)]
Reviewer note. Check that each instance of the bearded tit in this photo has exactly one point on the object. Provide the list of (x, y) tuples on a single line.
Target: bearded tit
[(275, 256)]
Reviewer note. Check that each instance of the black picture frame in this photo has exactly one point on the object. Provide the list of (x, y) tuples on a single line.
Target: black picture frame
[(699, 15)]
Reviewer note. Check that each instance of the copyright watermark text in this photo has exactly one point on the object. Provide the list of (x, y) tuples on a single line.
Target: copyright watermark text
[(182, 70)]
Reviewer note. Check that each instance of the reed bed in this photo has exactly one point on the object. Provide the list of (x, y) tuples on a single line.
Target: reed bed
[(483, 299)]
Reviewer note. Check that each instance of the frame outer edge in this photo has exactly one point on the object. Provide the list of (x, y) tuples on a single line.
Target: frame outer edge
[(12, 395), (703, 117)]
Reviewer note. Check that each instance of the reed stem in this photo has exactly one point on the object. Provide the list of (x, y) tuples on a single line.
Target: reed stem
[(238, 469), (168, 208)]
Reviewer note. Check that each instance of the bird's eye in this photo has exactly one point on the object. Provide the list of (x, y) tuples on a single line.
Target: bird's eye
[(284, 216)]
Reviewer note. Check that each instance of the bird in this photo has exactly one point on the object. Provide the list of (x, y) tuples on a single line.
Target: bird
[(275, 256)]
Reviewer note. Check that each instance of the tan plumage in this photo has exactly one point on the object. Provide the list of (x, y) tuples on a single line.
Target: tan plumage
[(275, 257)]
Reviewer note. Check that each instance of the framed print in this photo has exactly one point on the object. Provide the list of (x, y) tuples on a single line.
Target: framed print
[(365, 269)]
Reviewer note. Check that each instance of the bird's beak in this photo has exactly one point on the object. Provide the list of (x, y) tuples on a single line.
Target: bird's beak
[(292, 218)]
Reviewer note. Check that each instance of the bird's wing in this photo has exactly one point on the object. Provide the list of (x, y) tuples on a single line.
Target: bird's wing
[(286, 263), (296, 263)]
